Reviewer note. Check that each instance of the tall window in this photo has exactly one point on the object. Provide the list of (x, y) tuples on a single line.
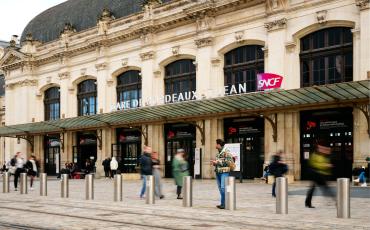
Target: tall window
[(87, 99), (129, 89), (180, 80), (52, 104), (327, 57), (242, 66)]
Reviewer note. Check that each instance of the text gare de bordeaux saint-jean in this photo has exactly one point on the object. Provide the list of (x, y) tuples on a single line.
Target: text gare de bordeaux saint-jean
[(265, 81)]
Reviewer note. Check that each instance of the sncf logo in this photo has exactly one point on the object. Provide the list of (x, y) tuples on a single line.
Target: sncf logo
[(267, 81)]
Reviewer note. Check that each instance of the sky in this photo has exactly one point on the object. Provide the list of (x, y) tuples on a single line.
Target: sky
[(15, 15)]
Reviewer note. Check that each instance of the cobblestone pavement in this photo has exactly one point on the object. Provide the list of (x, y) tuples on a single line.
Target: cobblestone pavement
[(255, 209)]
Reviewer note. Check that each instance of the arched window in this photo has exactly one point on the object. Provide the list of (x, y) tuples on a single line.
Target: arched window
[(87, 98), (327, 57), (129, 89), (180, 80), (242, 66), (52, 104)]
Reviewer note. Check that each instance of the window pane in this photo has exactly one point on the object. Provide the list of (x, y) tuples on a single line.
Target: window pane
[(334, 36), (318, 39), (319, 71)]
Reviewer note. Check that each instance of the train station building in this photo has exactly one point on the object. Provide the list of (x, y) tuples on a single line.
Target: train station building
[(101, 78)]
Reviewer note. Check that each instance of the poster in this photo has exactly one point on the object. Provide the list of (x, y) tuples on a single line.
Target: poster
[(235, 151), (197, 162), (57, 163)]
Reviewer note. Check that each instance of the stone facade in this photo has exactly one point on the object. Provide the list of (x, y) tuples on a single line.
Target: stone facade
[(201, 30)]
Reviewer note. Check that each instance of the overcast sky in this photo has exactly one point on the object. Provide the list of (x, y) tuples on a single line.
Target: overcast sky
[(15, 15)]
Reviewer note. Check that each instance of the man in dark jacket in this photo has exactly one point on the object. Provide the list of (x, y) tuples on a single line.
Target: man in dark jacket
[(106, 165), (277, 168), (146, 167)]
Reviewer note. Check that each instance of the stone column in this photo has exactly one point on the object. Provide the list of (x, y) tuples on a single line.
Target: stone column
[(364, 7), (147, 58), (204, 67)]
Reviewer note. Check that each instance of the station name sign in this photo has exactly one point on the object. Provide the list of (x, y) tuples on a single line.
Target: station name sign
[(265, 81)]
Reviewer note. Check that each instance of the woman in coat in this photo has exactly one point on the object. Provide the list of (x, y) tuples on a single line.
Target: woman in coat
[(180, 169), (113, 166)]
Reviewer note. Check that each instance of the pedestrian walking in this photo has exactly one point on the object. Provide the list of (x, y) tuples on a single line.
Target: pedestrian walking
[(146, 167), (277, 168), (32, 169), (157, 175), (320, 170), (89, 166), (113, 166), (106, 166), (223, 164), (18, 163), (180, 169)]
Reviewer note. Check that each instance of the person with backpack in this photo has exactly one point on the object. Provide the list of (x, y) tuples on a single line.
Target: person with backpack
[(18, 163), (277, 168), (224, 163)]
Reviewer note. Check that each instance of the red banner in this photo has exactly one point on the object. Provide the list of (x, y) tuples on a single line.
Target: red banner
[(266, 81)]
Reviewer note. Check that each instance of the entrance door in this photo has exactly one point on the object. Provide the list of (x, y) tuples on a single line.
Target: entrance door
[(248, 131), (129, 149), (52, 160), (86, 149), (334, 126), (179, 136)]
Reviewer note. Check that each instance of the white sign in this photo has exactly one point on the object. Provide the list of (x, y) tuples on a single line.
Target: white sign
[(197, 162), (235, 151), (57, 162)]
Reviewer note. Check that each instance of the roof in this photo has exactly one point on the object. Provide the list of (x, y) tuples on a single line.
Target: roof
[(252, 103), (81, 14)]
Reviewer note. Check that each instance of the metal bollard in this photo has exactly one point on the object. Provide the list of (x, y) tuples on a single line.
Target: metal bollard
[(150, 185), (23, 184), (117, 187), (89, 186), (6, 182), (230, 193), (188, 191), (65, 186), (43, 184), (343, 198), (281, 195)]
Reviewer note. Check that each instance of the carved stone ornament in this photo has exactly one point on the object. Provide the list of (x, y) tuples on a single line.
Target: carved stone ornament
[(176, 50), (101, 66), (290, 46), (215, 62), (68, 29), (276, 25), (48, 79), (64, 75), (124, 62), (106, 15), (273, 5), (147, 56), (239, 36), (363, 4), (204, 23), (23, 83), (203, 42), (110, 81), (157, 73), (83, 71), (321, 16)]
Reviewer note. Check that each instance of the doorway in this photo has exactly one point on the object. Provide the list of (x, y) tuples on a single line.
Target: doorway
[(128, 150), (52, 155), (249, 132), (86, 149), (179, 136)]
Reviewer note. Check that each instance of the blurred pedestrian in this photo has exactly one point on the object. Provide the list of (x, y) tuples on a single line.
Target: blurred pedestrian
[(361, 177), (157, 175), (89, 166), (277, 168), (31, 166), (180, 169), (320, 171), (146, 167), (18, 163), (223, 163), (113, 166)]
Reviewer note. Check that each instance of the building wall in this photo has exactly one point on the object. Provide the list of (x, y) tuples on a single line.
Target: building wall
[(205, 41)]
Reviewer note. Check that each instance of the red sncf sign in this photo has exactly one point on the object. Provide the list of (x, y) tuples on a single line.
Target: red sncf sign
[(268, 81)]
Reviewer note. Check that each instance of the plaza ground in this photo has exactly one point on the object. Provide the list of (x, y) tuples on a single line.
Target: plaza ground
[(255, 208)]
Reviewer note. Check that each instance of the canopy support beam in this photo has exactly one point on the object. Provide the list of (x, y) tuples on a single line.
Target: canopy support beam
[(364, 108), (272, 119)]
